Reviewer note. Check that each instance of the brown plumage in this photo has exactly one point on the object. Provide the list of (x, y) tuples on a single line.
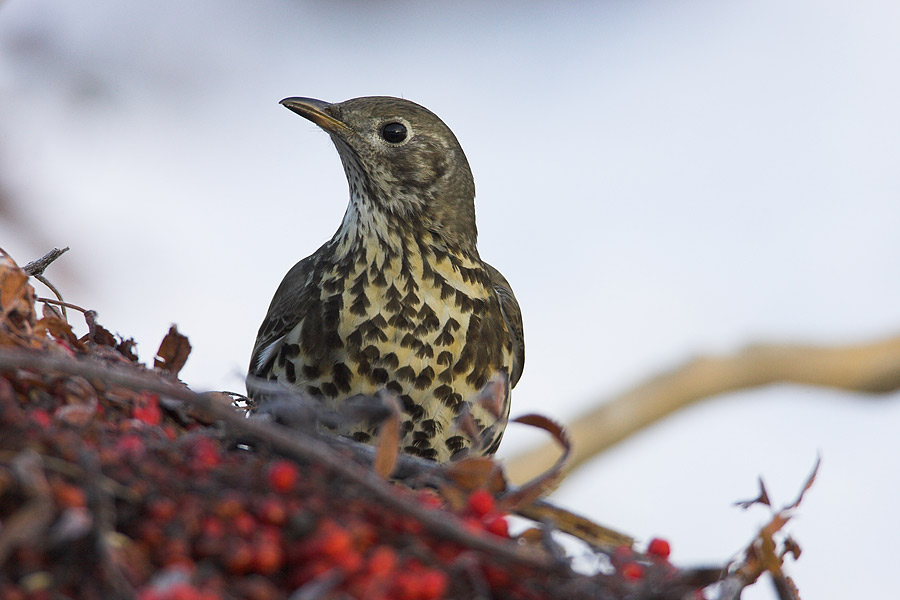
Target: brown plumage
[(399, 297)]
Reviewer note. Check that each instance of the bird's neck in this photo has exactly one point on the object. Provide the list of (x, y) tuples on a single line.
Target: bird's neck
[(390, 234)]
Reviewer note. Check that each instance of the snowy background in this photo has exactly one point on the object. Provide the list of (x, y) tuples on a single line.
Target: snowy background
[(656, 179)]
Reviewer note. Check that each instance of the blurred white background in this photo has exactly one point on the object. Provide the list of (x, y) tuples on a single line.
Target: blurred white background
[(656, 179)]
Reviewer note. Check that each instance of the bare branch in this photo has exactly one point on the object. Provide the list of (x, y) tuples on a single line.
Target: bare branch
[(873, 367), (37, 267)]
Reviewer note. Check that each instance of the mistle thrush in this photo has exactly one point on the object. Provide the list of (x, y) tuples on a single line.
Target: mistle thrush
[(399, 297)]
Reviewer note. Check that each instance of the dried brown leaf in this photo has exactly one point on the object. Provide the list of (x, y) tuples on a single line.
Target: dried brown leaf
[(16, 296), (48, 310), (576, 525), (790, 546), (100, 335), (173, 352), (762, 498), (59, 329), (387, 445), (126, 349)]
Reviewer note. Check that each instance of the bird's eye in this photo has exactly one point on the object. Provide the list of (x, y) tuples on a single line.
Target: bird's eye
[(394, 132)]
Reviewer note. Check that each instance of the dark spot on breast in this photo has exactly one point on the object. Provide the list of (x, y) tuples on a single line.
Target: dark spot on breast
[(428, 318), (400, 321), (410, 341), (390, 360), (329, 389), (455, 443), (447, 290), (360, 304), (354, 340), (429, 427), (406, 372), (407, 402), (378, 277), (424, 379), (379, 375), (463, 302), (341, 376)]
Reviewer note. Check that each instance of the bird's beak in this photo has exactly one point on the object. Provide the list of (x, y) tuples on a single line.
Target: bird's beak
[(315, 111)]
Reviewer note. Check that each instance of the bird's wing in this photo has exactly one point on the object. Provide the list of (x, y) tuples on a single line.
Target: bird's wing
[(284, 314), (512, 314)]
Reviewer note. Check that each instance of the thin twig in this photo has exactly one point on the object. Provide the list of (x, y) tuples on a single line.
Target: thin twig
[(37, 267), (61, 303)]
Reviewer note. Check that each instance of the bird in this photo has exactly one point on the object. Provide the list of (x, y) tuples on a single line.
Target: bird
[(399, 299)]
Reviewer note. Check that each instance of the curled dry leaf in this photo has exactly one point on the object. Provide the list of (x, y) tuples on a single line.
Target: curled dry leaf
[(173, 352), (548, 480)]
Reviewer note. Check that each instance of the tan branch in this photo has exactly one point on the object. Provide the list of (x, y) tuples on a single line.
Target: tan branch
[(873, 368)]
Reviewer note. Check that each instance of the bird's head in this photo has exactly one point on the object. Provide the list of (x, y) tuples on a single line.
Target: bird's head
[(401, 161)]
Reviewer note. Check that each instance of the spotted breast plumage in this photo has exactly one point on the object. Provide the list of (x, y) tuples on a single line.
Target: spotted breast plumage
[(399, 298)]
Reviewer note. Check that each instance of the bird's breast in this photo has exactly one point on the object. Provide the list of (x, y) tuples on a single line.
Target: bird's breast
[(420, 321)]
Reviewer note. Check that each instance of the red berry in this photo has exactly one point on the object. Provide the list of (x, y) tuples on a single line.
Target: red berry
[(244, 524), (146, 409), (496, 576), (40, 417), (480, 503), (633, 571), (238, 558), (659, 547), (162, 509), (335, 540), (272, 511), (70, 496), (432, 585), (382, 561), (283, 476), (205, 453), (498, 526), (267, 557), (131, 445)]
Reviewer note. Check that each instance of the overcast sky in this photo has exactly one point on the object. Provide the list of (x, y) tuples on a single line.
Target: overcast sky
[(657, 180)]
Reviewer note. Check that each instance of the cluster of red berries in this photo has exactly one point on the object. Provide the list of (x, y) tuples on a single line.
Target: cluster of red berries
[(199, 520)]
